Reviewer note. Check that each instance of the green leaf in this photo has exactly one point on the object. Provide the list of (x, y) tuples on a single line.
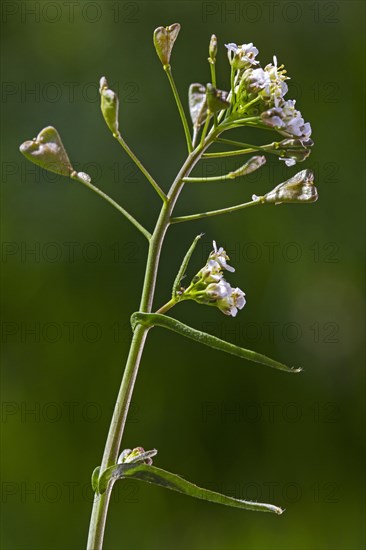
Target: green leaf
[(95, 478), (197, 100), (155, 319), (157, 476), (47, 150)]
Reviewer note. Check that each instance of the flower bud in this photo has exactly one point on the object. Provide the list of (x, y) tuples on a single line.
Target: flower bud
[(47, 151), (253, 164), (137, 455), (212, 49), (164, 38), (300, 188), (109, 105)]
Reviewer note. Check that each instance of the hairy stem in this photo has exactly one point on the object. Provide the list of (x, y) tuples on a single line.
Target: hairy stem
[(112, 447)]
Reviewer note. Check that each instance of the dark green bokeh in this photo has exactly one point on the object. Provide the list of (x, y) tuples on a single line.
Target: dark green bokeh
[(251, 432)]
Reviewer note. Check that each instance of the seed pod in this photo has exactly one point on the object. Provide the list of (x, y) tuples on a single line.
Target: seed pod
[(250, 166), (164, 38), (47, 151), (300, 188)]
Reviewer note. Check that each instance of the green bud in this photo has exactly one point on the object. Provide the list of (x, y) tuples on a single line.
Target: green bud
[(216, 99), (137, 455), (212, 49), (164, 38), (47, 151), (109, 105), (300, 188)]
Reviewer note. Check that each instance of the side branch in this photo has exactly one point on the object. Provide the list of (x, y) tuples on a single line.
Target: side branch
[(140, 166), (229, 210), (182, 114), (89, 185)]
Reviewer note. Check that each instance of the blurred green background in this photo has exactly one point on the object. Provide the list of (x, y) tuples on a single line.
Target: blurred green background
[(72, 271)]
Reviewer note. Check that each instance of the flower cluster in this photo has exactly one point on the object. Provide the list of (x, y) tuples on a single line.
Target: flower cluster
[(209, 286), (260, 92)]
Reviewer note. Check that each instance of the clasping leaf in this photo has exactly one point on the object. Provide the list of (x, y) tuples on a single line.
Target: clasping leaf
[(157, 476)]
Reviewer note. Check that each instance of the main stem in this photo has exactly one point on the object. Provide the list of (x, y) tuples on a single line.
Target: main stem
[(113, 443)]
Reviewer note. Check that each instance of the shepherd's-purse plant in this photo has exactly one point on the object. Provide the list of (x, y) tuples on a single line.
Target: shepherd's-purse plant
[(256, 98)]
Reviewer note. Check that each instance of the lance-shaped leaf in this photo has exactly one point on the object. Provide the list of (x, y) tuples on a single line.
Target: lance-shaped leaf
[(197, 100), (300, 188), (47, 150), (157, 476), (156, 319), (183, 267), (164, 38)]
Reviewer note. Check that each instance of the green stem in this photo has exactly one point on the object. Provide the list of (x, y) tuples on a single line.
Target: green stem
[(112, 447), (242, 145), (232, 86), (163, 309), (106, 197), (221, 154), (205, 128), (141, 167), (208, 179), (101, 502), (213, 80), (182, 114), (195, 136), (228, 210)]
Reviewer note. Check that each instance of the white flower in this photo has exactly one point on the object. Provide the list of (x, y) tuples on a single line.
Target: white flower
[(294, 123), (276, 87), (232, 302), (288, 162), (287, 120), (212, 272), (219, 291), (257, 79), (243, 56), (220, 256)]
